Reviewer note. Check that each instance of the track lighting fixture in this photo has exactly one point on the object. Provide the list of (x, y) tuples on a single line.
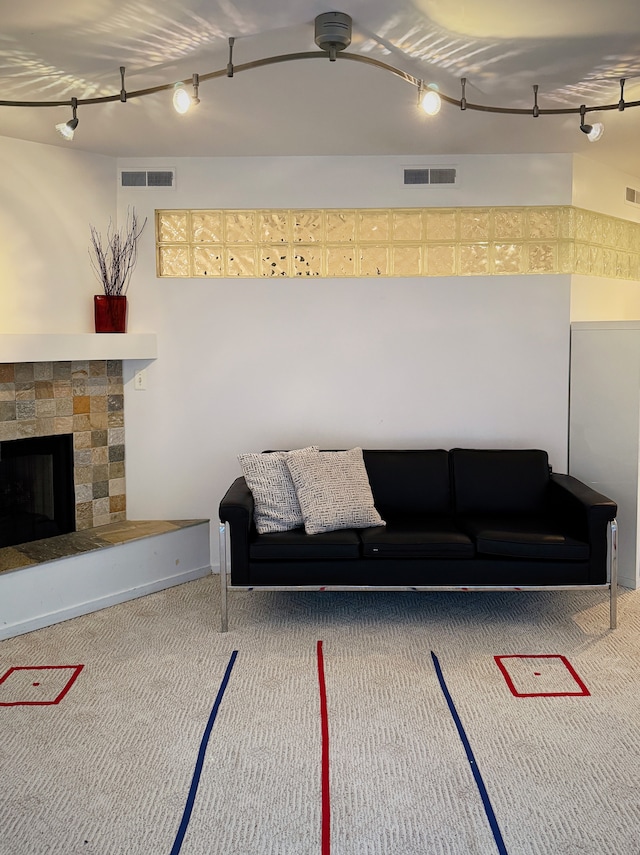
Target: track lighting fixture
[(68, 129), (429, 99), (332, 36), (594, 131), (182, 101)]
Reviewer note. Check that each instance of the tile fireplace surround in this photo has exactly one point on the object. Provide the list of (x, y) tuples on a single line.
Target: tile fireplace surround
[(83, 398)]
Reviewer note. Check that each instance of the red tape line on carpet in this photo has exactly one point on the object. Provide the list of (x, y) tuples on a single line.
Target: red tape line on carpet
[(75, 669), (581, 690), (324, 772)]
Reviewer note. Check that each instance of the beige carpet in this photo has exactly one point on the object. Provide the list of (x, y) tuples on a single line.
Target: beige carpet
[(108, 769)]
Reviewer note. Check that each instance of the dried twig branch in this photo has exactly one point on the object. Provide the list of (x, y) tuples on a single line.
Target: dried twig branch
[(113, 263)]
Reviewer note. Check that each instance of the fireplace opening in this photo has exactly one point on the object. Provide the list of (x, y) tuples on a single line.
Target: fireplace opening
[(37, 497)]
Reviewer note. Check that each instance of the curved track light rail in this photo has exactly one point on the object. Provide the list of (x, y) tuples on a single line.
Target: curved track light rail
[(462, 102)]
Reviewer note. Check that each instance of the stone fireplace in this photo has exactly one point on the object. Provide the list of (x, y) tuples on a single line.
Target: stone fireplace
[(81, 398), (37, 494)]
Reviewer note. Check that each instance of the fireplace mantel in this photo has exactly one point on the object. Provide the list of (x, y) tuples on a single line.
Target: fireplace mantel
[(63, 347)]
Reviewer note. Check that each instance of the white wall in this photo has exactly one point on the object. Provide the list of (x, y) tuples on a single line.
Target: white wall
[(601, 188), (594, 298), (245, 365), (48, 197), (339, 182), (250, 365)]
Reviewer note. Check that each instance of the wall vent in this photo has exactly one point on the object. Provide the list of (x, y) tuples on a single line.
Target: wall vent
[(632, 196), (432, 177), (159, 179)]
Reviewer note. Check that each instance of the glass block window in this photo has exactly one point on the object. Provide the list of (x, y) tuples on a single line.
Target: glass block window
[(394, 242)]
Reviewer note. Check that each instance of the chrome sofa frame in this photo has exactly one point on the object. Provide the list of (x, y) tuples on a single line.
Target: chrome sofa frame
[(611, 584)]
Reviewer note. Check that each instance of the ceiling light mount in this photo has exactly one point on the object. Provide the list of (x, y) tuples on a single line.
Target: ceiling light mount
[(621, 104), (333, 32), (230, 63)]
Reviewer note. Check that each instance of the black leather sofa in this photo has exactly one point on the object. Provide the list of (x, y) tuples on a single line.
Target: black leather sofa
[(455, 520)]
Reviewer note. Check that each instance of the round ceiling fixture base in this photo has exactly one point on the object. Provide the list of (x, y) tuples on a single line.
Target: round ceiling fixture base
[(333, 31)]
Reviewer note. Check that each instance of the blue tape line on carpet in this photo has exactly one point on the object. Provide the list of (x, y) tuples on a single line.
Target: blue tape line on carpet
[(193, 789), (502, 849)]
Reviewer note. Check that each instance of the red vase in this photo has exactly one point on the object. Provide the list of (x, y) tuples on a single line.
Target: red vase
[(110, 313)]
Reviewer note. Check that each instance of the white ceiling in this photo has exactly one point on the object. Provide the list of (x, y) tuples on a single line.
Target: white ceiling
[(576, 51)]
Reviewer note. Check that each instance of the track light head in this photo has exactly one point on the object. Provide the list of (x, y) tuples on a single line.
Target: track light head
[(68, 129), (594, 131), (182, 101), (430, 101)]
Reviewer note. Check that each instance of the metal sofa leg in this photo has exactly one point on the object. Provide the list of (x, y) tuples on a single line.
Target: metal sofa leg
[(612, 561), (224, 621)]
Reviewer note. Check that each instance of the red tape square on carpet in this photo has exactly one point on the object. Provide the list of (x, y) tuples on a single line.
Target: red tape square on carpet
[(546, 676), (37, 686)]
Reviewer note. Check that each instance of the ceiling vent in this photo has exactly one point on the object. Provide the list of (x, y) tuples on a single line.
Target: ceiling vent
[(158, 179), (632, 196), (433, 177)]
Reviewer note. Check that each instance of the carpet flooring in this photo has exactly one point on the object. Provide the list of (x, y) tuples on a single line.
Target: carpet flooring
[(452, 724)]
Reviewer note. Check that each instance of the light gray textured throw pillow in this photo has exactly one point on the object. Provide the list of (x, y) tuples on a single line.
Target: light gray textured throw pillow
[(276, 506), (333, 490)]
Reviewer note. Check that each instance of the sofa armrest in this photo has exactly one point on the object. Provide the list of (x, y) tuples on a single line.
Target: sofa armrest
[(587, 513), (236, 509), (236, 506), (566, 488)]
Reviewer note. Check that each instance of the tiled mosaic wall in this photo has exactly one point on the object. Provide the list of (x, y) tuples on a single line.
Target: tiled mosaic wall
[(395, 242), (82, 398)]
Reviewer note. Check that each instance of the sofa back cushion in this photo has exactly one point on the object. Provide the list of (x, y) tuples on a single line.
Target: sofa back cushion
[(409, 482), (488, 481)]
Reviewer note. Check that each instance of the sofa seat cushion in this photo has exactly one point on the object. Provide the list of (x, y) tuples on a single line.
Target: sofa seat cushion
[(524, 537), (428, 537), (296, 545)]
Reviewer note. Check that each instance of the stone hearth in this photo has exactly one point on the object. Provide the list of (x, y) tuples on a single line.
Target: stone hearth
[(89, 540)]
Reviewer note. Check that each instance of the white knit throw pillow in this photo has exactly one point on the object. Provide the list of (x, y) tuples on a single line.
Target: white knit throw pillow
[(333, 490), (276, 506)]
